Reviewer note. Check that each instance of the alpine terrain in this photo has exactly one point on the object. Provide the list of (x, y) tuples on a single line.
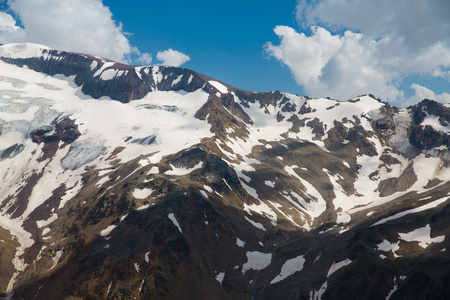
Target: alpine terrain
[(155, 182)]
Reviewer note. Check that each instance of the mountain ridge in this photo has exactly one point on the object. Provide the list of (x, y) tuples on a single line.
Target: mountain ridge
[(196, 189), (90, 71)]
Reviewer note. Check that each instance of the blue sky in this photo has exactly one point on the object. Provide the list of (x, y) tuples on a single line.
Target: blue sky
[(224, 39), (397, 50)]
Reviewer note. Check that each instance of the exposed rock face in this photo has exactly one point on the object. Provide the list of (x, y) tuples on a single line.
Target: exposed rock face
[(65, 131), (99, 77), (425, 136), (199, 190)]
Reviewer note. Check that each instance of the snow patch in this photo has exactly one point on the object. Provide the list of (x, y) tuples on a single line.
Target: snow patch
[(177, 80), (143, 207), (411, 211), (337, 265), (434, 122), (42, 223), (317, 294), (395, 287), (123, 217), (144, 162), (106, 65), (316, 205), (183, 171), (220, 87), (269, 183), (93, 65), (220, 277), (256, 261), (421, 235), (240, 243), (262, 209), (174, 221), (256, 224), (56, 258), (107, 231), (387, 246), (153, 170), (157, 75), (142, 193), (290, 267), (110, 74), (102, 181)]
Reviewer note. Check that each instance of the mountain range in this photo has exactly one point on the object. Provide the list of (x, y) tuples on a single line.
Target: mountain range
[(157, 182)]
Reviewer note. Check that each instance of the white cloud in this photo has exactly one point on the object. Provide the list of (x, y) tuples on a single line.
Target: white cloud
[(422, 92), (85, 26), (142, 58), (331, 65), (145, 59), (7, 22), (306, 56), (172, 57), (8, 28), (374, 45)]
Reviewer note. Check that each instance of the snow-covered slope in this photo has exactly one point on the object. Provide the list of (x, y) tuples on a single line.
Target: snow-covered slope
[(155, 171)]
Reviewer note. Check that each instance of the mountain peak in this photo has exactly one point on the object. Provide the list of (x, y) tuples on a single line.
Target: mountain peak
[(101, 77), (22, 50)]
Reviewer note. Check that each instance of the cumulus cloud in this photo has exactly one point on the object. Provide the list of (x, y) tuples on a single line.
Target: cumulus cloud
[(142, 58), (422, 92), (172, 57), (7, 22), (356, 47), (145, 59), (8, 29), (85, 26)]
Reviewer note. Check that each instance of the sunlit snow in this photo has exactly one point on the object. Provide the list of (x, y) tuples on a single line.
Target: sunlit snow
[(31, 101), (223, 89), (183, 171), (434, 122), (108, 230), (142, 193)]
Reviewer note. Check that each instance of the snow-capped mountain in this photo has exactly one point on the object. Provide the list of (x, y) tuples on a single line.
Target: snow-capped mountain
[(154, 182)]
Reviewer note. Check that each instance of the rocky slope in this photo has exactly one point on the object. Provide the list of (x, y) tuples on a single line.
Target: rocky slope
[(122, 182)]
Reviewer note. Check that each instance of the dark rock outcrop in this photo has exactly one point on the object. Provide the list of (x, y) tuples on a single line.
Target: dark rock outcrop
[(126, 83), (427, 137)]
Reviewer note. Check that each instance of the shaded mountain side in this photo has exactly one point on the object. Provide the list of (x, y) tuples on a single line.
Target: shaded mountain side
[(148, 256)]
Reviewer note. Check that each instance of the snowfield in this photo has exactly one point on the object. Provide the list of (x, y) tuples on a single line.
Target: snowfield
[(31, 101)]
